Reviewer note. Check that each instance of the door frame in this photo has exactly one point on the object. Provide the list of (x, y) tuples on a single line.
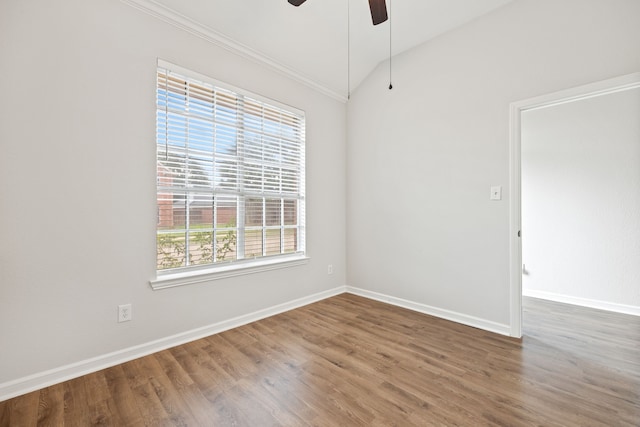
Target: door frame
[(616, 84)]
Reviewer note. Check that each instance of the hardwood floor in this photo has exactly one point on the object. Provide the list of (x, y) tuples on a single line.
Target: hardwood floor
[(349, 361)]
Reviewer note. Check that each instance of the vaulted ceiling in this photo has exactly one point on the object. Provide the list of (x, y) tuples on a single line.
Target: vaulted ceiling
[(312, 41)]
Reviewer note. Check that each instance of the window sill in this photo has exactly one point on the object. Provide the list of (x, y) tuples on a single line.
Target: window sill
[(172, 280)]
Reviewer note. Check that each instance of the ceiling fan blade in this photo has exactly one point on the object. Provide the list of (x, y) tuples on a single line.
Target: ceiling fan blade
[(296, 2), (378, 11)]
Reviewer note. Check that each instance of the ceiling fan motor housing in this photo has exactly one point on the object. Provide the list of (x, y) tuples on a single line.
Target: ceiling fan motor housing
[(378, 10)]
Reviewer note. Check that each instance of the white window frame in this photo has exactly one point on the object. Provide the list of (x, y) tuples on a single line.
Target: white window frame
[(171, 277)]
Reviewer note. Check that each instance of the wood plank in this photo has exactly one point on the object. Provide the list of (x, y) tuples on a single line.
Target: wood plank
[(51, 406), (76, 411), (21, 411), (152, 411), (123, 399)]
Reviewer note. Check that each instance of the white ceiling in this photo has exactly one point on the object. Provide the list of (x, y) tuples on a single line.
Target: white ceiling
[(311, 40)]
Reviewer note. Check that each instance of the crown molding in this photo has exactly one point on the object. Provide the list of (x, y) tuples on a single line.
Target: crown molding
[(187, 24)]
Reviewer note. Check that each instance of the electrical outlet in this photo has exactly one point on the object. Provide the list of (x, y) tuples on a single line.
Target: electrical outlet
[(124, 313), (330, 269)]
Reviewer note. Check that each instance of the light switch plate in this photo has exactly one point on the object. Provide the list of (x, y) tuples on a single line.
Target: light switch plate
[(496, 192)]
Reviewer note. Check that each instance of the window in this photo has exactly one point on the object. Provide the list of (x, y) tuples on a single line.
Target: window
[(230, 175)]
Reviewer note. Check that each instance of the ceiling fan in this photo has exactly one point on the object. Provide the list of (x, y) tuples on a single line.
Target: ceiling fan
[(378, 9)]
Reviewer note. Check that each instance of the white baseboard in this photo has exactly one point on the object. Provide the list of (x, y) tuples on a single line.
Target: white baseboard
[(584, 302), (54, 376), (464, 319)]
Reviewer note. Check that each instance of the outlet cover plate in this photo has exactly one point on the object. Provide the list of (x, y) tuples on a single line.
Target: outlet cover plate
[(124, 313)]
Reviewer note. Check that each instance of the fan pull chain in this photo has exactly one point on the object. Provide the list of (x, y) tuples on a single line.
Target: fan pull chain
[(390, 51), (348, 49)]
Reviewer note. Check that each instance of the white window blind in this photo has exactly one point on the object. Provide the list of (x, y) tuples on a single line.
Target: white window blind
[(230, 174)]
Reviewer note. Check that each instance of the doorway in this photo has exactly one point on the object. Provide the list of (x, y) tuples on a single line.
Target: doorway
[(518, 111)]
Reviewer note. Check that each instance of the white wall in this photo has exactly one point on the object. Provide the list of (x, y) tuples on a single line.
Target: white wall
[(422, 157), (581, 199), (77, 184)]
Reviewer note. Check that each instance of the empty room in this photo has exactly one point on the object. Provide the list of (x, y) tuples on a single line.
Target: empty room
[(320, 212)]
